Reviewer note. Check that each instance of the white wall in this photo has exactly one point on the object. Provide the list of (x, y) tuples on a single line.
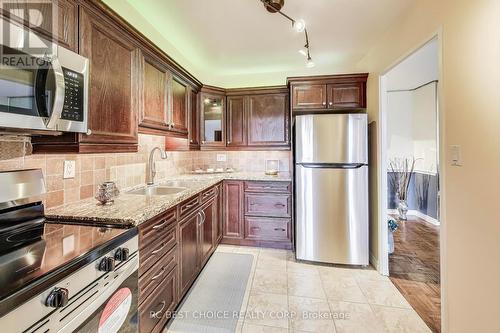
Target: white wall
[(412, 127), (470, 97)]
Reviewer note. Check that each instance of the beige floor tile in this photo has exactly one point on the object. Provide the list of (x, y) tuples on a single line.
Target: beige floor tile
[(267, 310), (225, 248), (248, 250), (272, 261), (248, 328), (305, 285), (355, 318), (342, 288), (397, 320), (370, 274), (269, 281), (310, 315), (301, 268), (382, 293)]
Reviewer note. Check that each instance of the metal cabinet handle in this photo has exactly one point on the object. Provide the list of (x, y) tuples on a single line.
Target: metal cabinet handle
[(162, 307), (229, 142), (203, 141), (203, 216), (191, 140), (279, 229), (279, 205), (324, 103), (159, 225), (190, 205), (331, 103), (158, 250), (159, 274)]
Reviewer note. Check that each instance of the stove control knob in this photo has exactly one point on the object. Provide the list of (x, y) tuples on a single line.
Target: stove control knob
[(107, 264), (57, 298), (121, 254)]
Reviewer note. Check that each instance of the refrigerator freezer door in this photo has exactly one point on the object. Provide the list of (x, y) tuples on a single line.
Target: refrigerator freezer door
[(331, 138), (332, 215)]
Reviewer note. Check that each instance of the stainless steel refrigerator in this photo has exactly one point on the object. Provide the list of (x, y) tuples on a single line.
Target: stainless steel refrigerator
[(331, 192)]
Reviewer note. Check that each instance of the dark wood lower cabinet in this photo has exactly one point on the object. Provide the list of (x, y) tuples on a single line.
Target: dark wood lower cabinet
[(258, 214), (175, 245), (233, 209), (188, 231)]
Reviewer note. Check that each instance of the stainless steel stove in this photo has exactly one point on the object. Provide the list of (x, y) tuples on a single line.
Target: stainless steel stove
[(62, 277)]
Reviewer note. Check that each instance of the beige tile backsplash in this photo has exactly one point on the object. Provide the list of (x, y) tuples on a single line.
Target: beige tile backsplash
[(129, 169)]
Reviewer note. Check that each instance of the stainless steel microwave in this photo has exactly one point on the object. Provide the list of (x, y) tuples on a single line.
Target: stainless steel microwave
[(43, 87)]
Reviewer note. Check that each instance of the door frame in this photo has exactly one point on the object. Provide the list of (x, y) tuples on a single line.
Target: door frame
[(383, 250)]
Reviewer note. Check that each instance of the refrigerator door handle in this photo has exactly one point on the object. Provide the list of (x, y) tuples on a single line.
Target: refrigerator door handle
[(332, 165)]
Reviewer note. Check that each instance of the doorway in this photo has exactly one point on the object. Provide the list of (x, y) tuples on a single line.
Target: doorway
[(410, 180)]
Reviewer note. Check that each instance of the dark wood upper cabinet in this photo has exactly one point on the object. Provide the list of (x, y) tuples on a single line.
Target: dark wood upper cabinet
[(309, 96), (113, 91), (179, 114), (329, 93), (66, 32), (346, 95), (212, 118), (268, 120), (233, 209), (258, 118), (194, 121), (236, 121), (154, 111)]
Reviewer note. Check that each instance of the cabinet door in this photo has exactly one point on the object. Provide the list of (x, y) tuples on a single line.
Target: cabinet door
[(309, 96), (153, 114), (220, 201), (236, 121), (33, 12), (208, 224), (233, 209), (212, 121), (188, 240), (194, 118), (268, 120), (346, 95), (179, 118), (113, 89)]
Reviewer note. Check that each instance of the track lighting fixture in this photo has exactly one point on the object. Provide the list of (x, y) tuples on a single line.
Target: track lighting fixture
[(274, 6)]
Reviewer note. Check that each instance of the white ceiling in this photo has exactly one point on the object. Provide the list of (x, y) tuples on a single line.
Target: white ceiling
[(227, 39)]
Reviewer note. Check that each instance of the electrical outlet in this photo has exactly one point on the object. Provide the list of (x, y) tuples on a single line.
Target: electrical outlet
[(221, 157), (69, 169)]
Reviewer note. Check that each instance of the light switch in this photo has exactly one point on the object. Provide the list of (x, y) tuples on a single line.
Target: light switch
[(69, 169), (456, 155), (221, 157)]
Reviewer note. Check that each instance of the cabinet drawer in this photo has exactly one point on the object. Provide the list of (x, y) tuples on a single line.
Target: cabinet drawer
[(272, 205), (150, 230), (272, 229), (150, 254), (208, 194), (153, 277), (267, 187), (188, 206), (155, 310)]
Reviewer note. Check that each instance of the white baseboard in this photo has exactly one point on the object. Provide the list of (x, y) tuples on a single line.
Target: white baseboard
[(416, 213)]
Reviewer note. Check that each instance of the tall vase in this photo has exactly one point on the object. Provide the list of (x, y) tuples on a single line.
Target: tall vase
[(402, 210)]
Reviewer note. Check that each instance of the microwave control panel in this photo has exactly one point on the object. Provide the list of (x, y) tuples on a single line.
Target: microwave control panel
[(73, 97)]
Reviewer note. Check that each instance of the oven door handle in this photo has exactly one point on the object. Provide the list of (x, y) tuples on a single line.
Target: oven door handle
[(60, 90)]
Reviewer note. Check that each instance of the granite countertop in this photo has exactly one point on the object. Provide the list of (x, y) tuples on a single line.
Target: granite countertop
[(130, 210)]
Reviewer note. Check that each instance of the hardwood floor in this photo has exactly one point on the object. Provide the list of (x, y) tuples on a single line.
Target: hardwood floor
[(414, 268)]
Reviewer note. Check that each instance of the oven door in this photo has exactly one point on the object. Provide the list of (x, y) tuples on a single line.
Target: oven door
[(32, 87), (118, 313)]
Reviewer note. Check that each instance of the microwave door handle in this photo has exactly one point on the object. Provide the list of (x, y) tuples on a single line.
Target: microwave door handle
[(58, 95)]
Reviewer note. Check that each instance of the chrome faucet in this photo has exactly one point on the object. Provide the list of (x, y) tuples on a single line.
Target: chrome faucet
[(152, 167)]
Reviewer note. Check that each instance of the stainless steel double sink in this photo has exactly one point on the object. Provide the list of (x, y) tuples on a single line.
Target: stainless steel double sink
[(167, 188)]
